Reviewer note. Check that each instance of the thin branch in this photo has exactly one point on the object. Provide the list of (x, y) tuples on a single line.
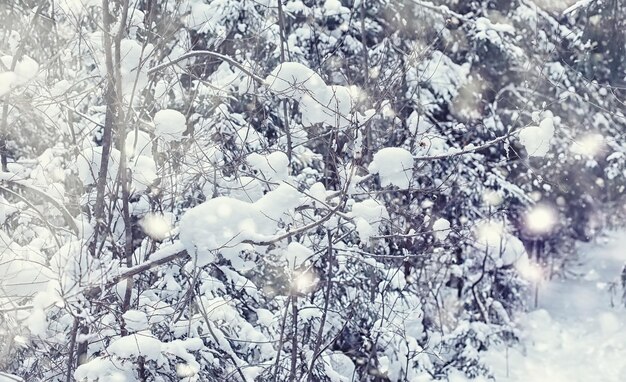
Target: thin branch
[(329, 284), (69, 219), (469, 150), (198, 53)]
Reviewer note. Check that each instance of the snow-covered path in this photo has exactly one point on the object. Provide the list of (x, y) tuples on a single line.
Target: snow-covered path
[(575, 335)]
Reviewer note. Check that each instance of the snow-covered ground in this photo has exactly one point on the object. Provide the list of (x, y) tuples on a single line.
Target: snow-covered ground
[(578, 331)]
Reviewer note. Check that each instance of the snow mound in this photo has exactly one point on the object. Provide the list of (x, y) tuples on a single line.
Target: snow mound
[(7, 81), (135, 320), (274, 167), (224, 224), (368, 217), (23, 270), (394, 166), (296, 254), (536, 139), (88, 165), (170, 125), (294, 80), (441, 229), (135, 345), (26, 69), (138, 143), (318, 102)]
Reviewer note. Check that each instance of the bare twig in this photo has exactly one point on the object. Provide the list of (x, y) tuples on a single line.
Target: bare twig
[(198, 53)]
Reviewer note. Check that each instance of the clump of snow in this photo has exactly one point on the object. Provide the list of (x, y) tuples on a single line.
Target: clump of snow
[(135, 320), (318, 102), (185, 370), (6, 209), (88, 165), (103, 369), (334, 7), (170, 125), (244, 188), (294, 80), (26, 69), (394, 166), (144, 172), (7, 81), (444, 76), (494, 237), (37, 322), (514, 253), (296, 254), (331, 106), (23, 270), (485, 28), (368, 217), (133, 71), (138, 143), (207, 17), (338, 366), (139, 344), (576, 6), (220, 309), (441, 229), (273, 167), (318, 192), (536, 139), (432, 144), (223, 224)]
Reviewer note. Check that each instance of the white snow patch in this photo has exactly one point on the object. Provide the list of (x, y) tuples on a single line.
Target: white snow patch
[(223, 224), (273, 167), (23, 270), (26, 69), (338, 367), (135, 320), (577, 333), (319, 103), (441, 229), (170, 125), (139, 344), (103, 369), (7, 82), (369, 215), (138, 143), (88, 165), (296, 254), (536, 139), (294, 80), (37, 322), (394, 166)]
